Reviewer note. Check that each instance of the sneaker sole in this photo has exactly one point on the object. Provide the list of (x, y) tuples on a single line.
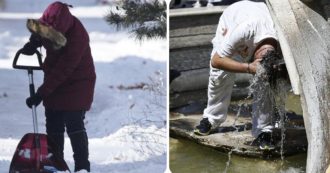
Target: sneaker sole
[(267, 148), (197, 132)]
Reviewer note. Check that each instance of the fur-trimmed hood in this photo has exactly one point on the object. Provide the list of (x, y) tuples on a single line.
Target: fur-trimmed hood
[(53, 25), (57, 39)]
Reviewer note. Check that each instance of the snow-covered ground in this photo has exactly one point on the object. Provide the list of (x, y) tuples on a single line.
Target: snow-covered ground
[(126, 124)]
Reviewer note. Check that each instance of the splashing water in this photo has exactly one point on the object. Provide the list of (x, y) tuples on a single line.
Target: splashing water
[(277, 92), (236, 131), (240, 106), (280, 91), (265, 93), (237, 116)]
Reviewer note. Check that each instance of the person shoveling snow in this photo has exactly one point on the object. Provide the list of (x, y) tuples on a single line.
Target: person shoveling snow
[(69, 78)]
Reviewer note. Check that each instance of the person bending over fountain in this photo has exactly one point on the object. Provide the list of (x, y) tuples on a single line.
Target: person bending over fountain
[(245, 38)]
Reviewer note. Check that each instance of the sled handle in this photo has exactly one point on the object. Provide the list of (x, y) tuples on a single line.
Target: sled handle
[(25, 67), (34, 109)]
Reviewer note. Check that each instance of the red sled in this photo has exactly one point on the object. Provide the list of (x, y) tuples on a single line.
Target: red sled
[(35, 153)]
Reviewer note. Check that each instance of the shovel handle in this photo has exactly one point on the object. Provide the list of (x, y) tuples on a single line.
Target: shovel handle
[(32, 93), (25, 67)]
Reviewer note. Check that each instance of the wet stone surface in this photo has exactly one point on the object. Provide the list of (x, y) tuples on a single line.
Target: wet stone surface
[(237, 138)]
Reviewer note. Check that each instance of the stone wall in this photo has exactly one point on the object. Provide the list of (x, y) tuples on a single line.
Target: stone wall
[(191, 32)]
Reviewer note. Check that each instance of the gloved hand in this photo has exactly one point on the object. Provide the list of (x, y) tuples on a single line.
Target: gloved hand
[(29, 49), (33, 100), (31, 46)]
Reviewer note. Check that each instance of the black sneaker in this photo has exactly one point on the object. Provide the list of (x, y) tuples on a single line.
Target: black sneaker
[(265, 141), (204, 127)]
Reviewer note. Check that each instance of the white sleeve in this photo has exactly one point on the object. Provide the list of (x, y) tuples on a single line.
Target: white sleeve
[(236, 40)]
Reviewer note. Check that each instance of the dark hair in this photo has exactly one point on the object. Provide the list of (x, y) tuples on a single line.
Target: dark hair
[(274, 66)]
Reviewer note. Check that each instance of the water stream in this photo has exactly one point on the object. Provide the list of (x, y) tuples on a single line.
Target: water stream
[(236, 131), (280, 101), (265, 95)]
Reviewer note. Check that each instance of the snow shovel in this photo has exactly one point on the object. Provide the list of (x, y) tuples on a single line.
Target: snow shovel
[(35, 153)]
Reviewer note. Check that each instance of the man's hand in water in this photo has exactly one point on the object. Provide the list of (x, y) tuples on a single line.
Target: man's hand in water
[(252, 68)]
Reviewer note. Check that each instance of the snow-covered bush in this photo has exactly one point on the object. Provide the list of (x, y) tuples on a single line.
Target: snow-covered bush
[(153, 138)]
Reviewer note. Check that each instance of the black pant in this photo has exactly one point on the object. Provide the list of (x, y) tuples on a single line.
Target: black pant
[(56, 121)]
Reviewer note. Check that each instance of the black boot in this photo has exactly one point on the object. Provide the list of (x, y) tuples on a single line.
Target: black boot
[(58, 140), (79, 143)]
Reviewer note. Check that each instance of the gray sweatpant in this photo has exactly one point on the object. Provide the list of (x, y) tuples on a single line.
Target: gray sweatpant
[(219, 93)]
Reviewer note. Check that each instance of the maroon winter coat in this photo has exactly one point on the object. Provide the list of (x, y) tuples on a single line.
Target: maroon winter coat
[(69, 73)]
